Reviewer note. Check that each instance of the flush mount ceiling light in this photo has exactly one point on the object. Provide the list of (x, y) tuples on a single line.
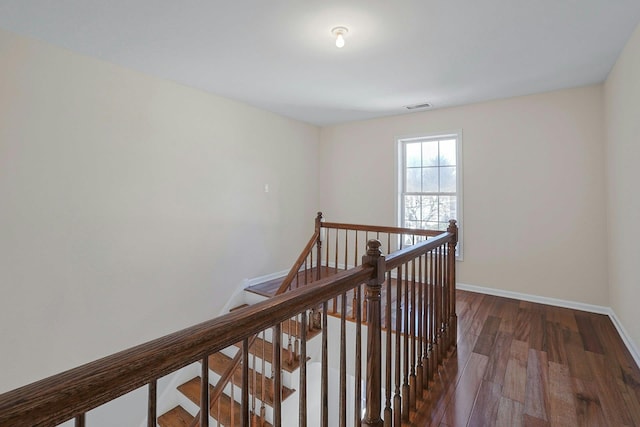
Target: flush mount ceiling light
[(339, 33)]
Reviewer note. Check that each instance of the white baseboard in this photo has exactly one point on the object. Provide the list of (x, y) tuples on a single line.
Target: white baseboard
[(535, 298), (631, 346), (591, 308), (266, 278)]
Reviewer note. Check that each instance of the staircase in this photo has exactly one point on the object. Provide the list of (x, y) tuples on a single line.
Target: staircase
[(260, 360), (410, 293)]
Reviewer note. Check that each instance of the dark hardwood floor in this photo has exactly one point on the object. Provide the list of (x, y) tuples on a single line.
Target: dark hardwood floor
[(525, 364)]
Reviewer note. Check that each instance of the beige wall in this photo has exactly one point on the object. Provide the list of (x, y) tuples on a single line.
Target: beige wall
[(131, 207), (622, 96), (534, 216)]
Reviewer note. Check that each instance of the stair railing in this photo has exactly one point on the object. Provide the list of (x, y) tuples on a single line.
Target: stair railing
[(306, 254), (409, 295)]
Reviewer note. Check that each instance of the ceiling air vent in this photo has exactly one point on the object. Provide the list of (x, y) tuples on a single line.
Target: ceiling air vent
[(418, 106)]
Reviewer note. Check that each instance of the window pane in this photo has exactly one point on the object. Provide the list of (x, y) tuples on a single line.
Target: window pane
[(448, 152), (430, 153), (413, 154), (411, 224), (411, 208), (413, 180), (430, 180), (448, 179), (448, 208), (429, 208), (430, 226)]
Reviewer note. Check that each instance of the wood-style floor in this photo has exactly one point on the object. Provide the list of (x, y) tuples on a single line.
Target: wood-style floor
[(525, 364)]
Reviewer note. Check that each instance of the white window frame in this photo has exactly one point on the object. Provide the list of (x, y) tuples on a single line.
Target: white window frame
[(401, 170)]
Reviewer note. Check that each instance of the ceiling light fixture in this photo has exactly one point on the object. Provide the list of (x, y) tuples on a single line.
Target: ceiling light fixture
[(339, 33)]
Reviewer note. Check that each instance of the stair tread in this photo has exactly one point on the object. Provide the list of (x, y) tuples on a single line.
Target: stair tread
[(257, 350), (219, 363), (191, 389), (177, 417)]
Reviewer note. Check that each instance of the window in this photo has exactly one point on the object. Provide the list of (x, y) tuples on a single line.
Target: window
[(430, 182)]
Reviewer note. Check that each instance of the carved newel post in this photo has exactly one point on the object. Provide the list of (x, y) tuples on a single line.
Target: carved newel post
[(316, 312), (374, 258), (453, 318)]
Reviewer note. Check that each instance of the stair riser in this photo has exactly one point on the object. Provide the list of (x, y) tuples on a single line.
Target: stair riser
[(289, 379), (193, 409), (237, 394)]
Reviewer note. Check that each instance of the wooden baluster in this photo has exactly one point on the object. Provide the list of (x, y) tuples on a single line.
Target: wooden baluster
[(405, 371), (306, 273), (319, 246), (374, 258), (324, 388), (387, 383), (438, 307), (343, 362), (426, 325), (364, 312), (327, 245), (204, 392), (296, 335), (397, 398), (433, 362), (290, 354), (254, 415), (335, 300), (277, 377), (445, 290), (152, 405), (453, 322), (80, 420), (355, 264), (412, 337), (346, 249), (419, 337), (244, 396), (233, 399), (263, 396), (353, 305), (302, 409), (219, 411), (358, 361), (443, 302), (355, 258), (310, 269)]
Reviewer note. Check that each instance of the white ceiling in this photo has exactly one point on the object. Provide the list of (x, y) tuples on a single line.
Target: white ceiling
[(279, 54)]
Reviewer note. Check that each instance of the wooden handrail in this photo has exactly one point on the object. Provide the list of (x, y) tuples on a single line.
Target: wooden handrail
[(63, 396), (286, 283), (381, 229), (293, 272), (403, 255), (72, 393)]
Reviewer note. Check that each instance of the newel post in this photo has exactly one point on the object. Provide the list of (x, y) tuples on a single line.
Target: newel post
[(453, 318), (316, 312), (319, 245), (374, 258)]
